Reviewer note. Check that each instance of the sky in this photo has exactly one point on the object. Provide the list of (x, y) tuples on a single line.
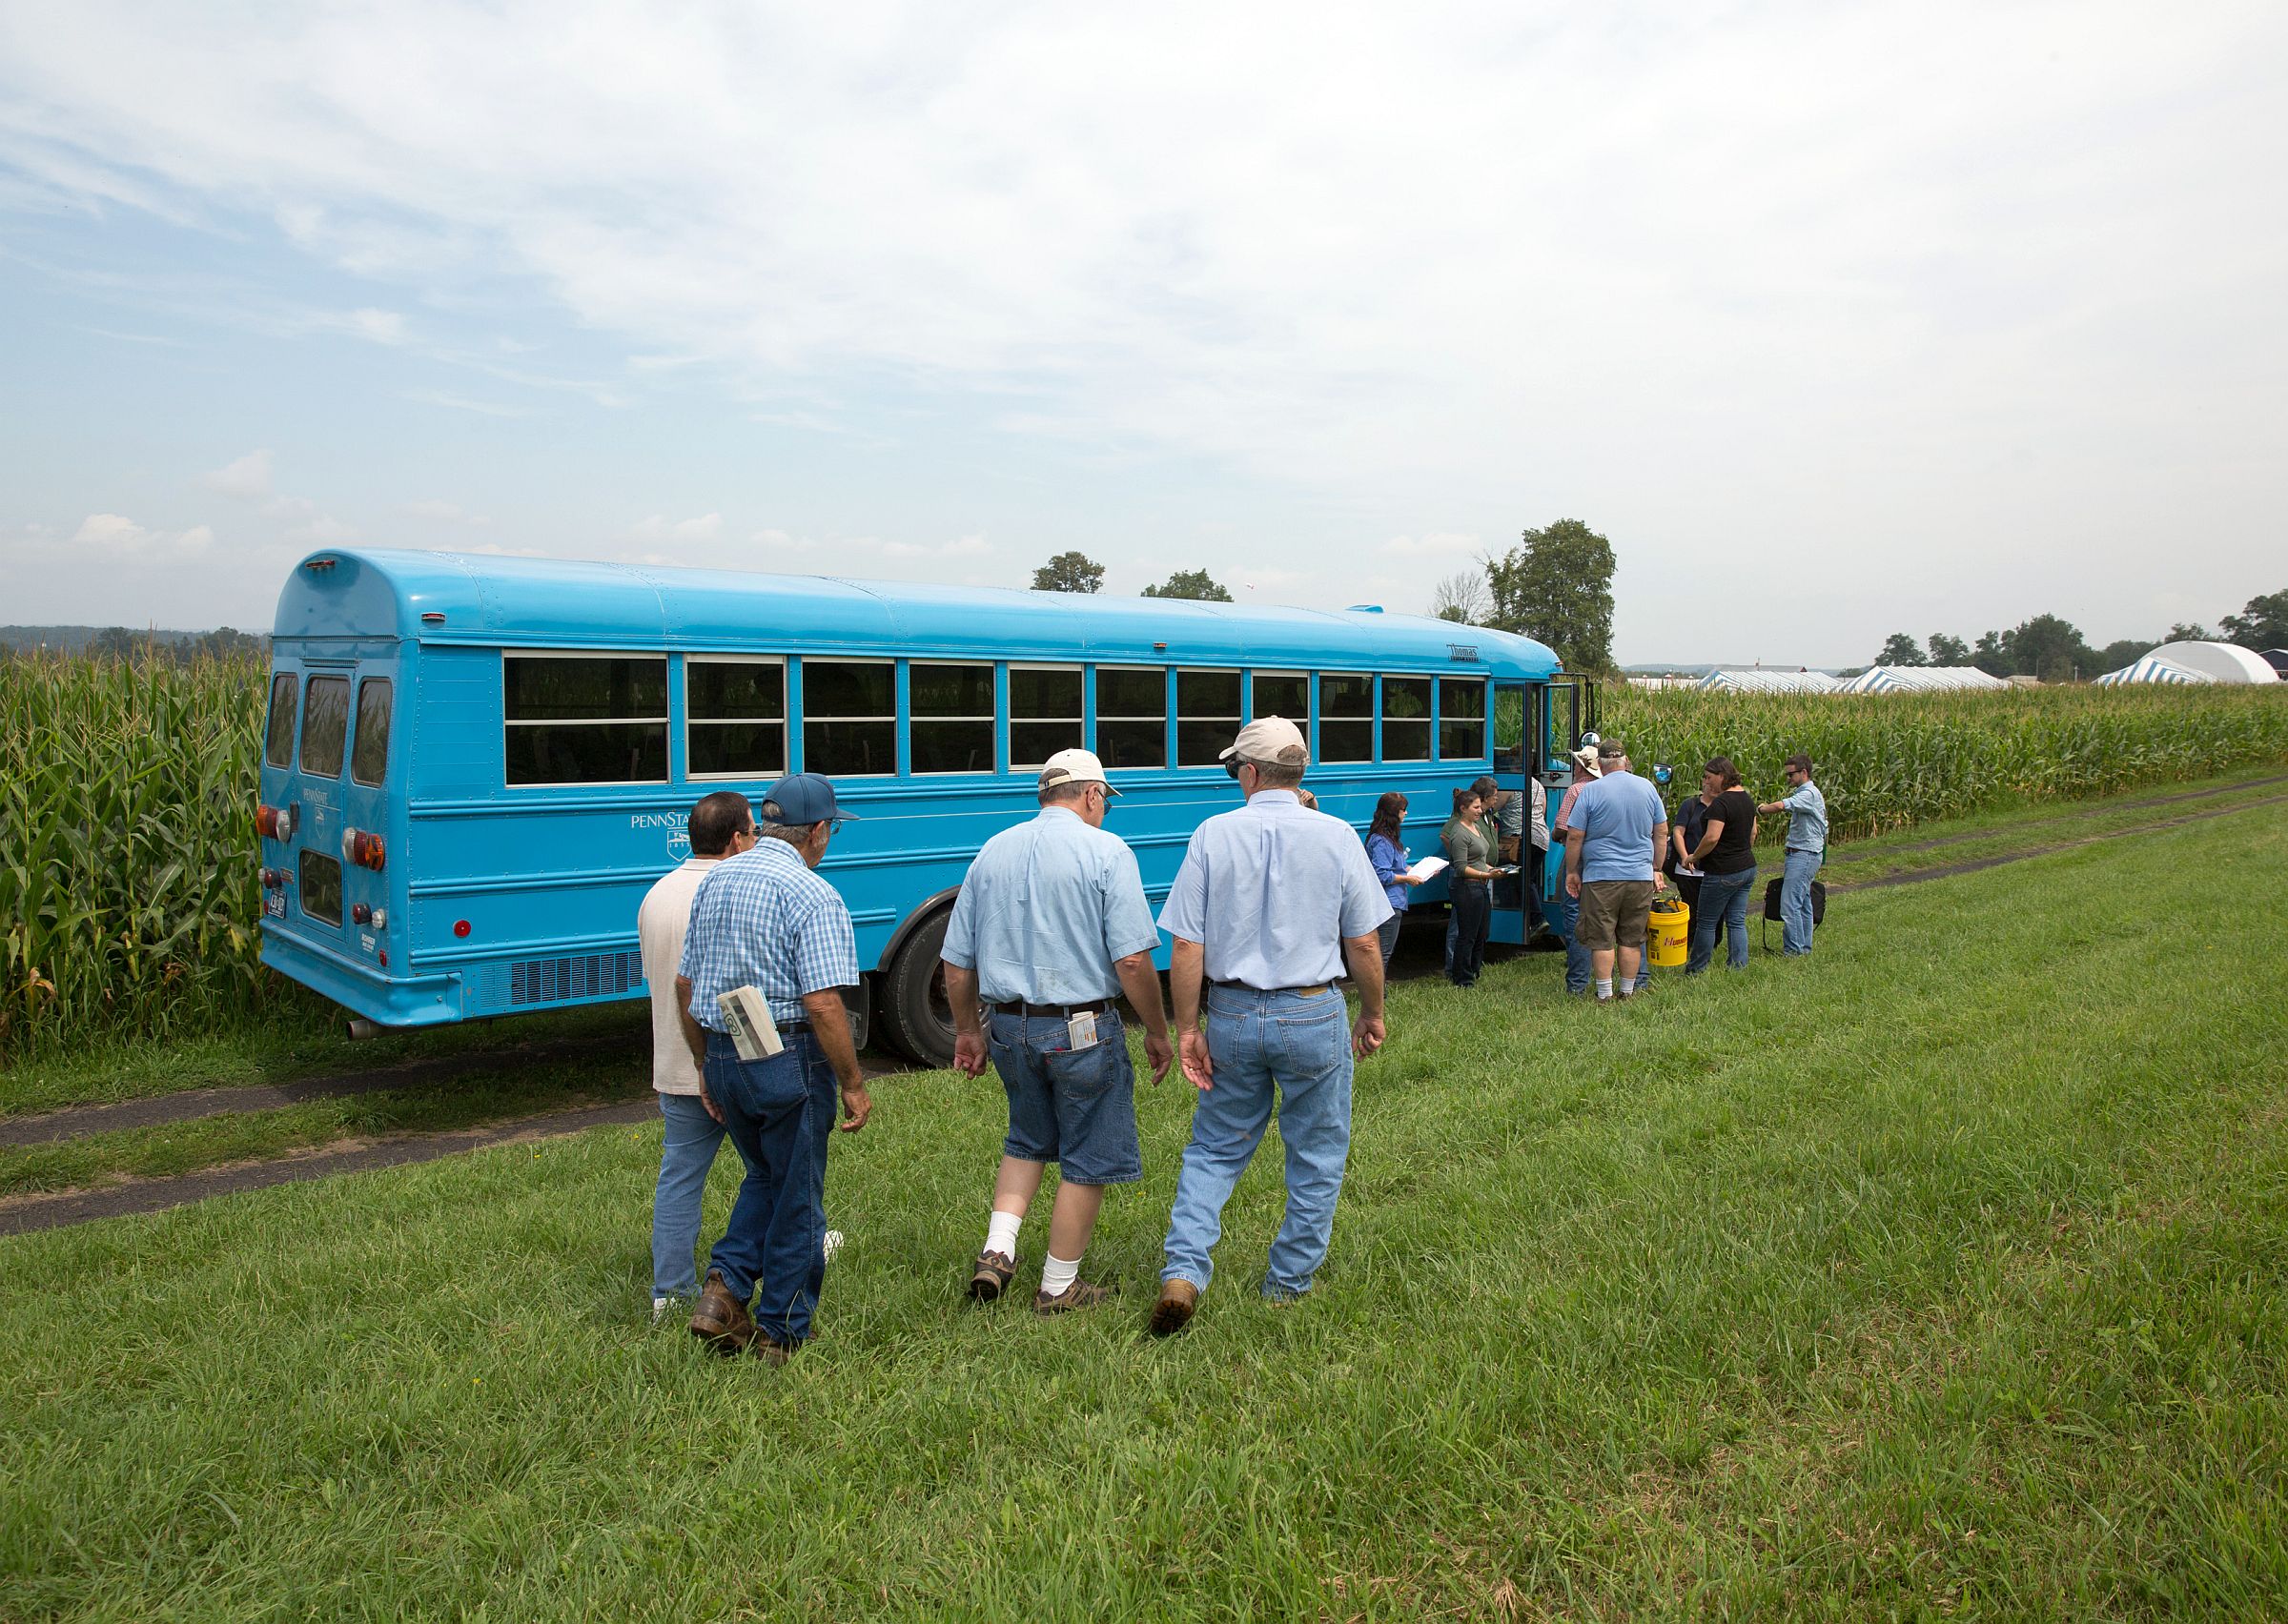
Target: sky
[(1837, 320)]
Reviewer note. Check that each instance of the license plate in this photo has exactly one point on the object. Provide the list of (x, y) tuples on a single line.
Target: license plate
[(274, 906)]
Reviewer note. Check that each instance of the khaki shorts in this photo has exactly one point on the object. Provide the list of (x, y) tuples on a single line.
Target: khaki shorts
[(1613, 913)]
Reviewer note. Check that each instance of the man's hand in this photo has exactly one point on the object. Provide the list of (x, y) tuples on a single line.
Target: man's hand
[(1198, 1070), (1660, 882), (1366, 1035), (708, 1099), (971, 1053), (1573, 885), (856, 1106), (1160, 1053)]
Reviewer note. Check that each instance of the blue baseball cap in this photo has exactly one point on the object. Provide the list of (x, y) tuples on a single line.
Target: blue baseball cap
[(800, 799)]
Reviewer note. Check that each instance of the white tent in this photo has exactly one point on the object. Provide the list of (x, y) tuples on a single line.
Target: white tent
[(2152, 668), (2219, 662), (1921, 679), (1762, 681)]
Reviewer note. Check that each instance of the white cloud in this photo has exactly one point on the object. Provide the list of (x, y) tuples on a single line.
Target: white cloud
[(657, 529), (1443, 544), (249, 478), (462, 403), (116, 534), (377, 326), (960, 547), (444, 512), (780, 541)]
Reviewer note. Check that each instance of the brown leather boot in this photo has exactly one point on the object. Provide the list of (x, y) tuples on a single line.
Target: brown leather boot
[(720, 1320), (1179, 1299)]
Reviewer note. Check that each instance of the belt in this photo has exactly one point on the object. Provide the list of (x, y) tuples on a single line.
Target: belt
[(1051, 1011), (1242, 986), (785, 1028)]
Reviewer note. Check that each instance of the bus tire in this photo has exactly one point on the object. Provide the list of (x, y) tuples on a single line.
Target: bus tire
[(915, 1016)]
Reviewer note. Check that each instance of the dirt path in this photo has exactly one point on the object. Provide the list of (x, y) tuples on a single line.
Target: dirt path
[(1914, 876), (2066, 818)]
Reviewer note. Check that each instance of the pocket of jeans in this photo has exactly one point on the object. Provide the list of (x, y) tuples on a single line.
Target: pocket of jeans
[(773, 1083), (1091, 1070)]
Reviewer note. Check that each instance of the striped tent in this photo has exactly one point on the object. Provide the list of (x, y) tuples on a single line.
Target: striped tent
[(1922, 680), (1762, 681), (2151, 670)]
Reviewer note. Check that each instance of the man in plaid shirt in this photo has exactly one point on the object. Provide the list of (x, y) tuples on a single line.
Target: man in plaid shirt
[(764, 920)]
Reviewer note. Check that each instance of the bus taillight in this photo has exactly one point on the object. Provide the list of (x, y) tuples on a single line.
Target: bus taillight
[(362, 847), (275, 823)]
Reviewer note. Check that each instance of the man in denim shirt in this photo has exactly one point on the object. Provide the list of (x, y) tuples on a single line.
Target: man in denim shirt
[(1271, 901), (1806, 810), (1050, 927)]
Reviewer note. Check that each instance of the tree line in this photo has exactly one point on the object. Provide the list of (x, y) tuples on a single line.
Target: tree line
[(124, 643), (2055, 650)]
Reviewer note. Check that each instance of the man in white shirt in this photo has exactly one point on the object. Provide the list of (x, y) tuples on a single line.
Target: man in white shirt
[(722, 825)]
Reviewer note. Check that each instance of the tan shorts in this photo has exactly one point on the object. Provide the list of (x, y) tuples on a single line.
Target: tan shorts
[(1613, 913)]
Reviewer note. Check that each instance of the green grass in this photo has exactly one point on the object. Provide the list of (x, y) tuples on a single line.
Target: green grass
[(1939, 1275)]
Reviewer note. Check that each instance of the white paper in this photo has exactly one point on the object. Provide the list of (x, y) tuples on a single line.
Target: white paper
[(1429, 868), (1080, 1030), (746, 1014)]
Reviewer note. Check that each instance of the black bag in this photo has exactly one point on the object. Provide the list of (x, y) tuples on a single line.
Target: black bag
[(1771, 907)]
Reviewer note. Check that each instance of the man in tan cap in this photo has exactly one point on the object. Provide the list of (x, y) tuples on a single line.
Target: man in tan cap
[(1271, 901), (1049, 928)]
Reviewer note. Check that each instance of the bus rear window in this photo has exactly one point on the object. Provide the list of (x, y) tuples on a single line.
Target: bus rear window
[(369, 755), (584, 718), (325, 725), (277, 743), (321, 886)]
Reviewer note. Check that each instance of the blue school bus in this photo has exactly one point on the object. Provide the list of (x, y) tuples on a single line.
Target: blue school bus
[(474, 766)]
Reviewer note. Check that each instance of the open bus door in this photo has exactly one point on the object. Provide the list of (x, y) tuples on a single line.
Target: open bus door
[(1566, 711)]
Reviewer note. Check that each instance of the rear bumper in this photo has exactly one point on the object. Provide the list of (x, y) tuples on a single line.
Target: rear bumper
[(388, 1001)]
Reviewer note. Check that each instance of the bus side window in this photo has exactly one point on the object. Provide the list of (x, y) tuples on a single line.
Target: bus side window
[(1461, 718), (1045, 714), (736, 724), (277, 743), (1207, 715), (849, 717), (1405, 719), (584, 718), (325, 725), (1286, 693), (369, 753), (949, 718), (1347, 717), (1132, 715)]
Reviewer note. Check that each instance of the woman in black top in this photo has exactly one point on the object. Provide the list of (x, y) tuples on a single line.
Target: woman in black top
[(1725, 856)]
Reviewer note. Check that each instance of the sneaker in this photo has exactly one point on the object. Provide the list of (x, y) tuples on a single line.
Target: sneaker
[(991, 1275), (1081, 1294), (833, 1243)]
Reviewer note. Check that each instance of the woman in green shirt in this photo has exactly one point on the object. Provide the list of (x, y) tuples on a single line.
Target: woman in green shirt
[(1469, 884)]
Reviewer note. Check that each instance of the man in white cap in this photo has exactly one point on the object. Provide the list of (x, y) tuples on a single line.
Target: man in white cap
[(1049, 928), (1270, 903)]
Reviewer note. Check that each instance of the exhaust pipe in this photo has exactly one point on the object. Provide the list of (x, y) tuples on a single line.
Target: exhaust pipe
[(360, 1028)]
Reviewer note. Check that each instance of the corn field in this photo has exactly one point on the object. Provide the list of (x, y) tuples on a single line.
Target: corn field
[(127, 886)]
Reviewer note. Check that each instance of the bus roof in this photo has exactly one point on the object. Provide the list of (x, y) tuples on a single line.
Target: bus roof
[(499, 601)]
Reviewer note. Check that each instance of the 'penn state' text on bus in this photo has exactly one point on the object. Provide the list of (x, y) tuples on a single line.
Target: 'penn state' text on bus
[(474, 766)]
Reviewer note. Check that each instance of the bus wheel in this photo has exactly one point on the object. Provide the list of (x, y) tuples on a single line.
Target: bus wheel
[(915, 1016)]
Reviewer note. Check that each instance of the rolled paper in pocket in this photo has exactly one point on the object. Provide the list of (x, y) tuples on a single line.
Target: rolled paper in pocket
[(747, 1016)]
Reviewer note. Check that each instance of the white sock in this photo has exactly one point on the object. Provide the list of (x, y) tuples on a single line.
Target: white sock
[(1001, 1235), (1057, 1274), (1604, 989)]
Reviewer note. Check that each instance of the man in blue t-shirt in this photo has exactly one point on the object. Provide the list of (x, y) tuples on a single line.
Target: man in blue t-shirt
[(1613, 839)]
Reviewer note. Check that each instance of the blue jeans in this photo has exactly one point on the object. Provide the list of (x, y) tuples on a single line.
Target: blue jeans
[(1565, 920), (780, 1113), (1076, 1107), (1722, 900), (1261, 1043), (1466, 932), (686, 1154), (1795, 900)]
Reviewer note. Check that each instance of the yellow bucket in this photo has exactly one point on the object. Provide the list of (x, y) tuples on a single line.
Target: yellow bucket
[(1670, 932)]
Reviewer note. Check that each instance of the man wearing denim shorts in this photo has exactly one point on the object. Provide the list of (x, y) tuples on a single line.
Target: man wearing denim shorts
[(1271, 901), (1050, 927), (1615, 833), (764, 920)]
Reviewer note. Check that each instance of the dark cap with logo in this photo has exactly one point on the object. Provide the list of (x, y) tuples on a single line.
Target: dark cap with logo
[(800, 799)]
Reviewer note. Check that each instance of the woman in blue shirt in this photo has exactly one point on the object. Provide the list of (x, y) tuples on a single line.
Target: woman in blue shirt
[(1387, 852)]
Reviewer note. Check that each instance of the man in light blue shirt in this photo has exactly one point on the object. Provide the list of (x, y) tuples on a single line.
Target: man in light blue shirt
[(1613, 840), (764, 920), (1806, 810), (1050, 927), (1271, 902)]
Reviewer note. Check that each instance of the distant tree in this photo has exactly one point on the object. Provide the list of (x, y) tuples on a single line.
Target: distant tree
[(2183, 633), (1196, 584), (1070, 572), (2127, 651), (2049, 648), (1461, 596), (225, 642), (1948, 650), (117, 642), (1899, 649), (2262, 624), (1557, 585), (1990, 657)]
